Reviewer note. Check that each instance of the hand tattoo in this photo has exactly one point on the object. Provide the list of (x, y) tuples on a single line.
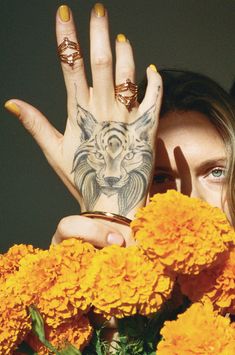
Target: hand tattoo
[(113, 158)]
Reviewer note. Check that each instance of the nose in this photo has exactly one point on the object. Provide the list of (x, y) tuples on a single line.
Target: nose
[(111, 180)]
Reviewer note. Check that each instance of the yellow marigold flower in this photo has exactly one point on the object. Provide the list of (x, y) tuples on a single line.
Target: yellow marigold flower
[(186, 234), (121, 282), (199, 330), (77, 332), (14, 323), (9, 262), (216, 283)]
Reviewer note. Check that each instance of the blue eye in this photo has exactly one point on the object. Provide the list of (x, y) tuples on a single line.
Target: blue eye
[(218, 173)]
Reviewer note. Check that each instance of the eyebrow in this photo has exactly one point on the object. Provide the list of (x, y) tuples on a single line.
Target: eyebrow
[(212, 162), (204, 165)]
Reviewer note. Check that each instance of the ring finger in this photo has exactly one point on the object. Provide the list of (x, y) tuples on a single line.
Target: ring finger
[(125, 70)]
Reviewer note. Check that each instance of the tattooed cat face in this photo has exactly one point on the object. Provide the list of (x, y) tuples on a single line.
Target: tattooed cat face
[(113, 158), (115, 154)]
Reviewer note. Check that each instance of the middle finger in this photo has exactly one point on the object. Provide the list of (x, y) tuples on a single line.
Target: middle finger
[(101, 58)]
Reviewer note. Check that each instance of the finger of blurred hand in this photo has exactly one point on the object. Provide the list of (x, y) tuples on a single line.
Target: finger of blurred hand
[(94, 232), (74, 76), (101, 58)]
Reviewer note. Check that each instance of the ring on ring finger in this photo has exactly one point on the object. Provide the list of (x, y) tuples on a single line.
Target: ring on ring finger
[(128, 100)]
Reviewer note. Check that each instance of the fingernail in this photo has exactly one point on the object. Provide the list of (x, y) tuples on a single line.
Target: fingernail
[(153, 67), (64, 13), (121, 37), (114, 238), (99, 9), (12, 107)]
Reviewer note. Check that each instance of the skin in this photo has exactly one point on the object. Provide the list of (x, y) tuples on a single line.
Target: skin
[(191, 158), (113, 160)]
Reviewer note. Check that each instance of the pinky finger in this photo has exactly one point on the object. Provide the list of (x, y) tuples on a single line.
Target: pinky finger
[(153, 94)]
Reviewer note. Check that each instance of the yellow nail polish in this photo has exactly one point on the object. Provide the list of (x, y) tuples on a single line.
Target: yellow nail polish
[(64, 13), (99, 9), (13, 108), (121, 37), (153, 67)]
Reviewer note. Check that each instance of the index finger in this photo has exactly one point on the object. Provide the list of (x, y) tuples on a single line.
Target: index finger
[(68, 45)]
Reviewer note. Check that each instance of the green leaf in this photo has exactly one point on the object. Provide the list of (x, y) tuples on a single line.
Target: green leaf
[(97, 345), (38, 328), (132, 326), (37, 323)]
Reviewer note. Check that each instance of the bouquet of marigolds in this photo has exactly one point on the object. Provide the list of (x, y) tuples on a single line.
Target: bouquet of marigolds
[(173, 293)]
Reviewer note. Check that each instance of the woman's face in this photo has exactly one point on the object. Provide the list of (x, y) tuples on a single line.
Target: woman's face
[(191, 158)]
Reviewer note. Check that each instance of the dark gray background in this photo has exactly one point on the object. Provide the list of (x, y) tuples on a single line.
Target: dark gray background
[(188, 34)]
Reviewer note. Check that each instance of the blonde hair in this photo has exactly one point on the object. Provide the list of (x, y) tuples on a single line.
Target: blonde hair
[(188, 91)]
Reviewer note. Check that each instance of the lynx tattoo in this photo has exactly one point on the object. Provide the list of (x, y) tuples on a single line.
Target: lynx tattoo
[(113, 158)]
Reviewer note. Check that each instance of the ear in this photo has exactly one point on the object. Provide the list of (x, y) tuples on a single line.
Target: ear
[(144, 123), (87, 122)]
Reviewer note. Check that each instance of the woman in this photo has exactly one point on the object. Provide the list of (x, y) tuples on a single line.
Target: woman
[(195, 141)]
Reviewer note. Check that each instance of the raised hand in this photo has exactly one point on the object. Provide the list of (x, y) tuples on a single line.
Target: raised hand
[(105, 156)]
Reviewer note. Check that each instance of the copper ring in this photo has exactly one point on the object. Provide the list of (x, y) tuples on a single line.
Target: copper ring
[(107, 216), (71, 57), (129, 100)]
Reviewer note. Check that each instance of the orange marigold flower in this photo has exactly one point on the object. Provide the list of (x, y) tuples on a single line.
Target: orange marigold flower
[(51, 280), (216, 283), (122, 282), (9, 262), (37, 273), (77, 332), (199, 330), (64, 298), (14, 323), (186, 234)]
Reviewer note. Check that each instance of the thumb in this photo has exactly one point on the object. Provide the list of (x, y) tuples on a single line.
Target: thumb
[(36, 124), (90, 230)]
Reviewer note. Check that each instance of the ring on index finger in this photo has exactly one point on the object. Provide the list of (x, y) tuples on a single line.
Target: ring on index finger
[(128, 100), (73, 49)]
